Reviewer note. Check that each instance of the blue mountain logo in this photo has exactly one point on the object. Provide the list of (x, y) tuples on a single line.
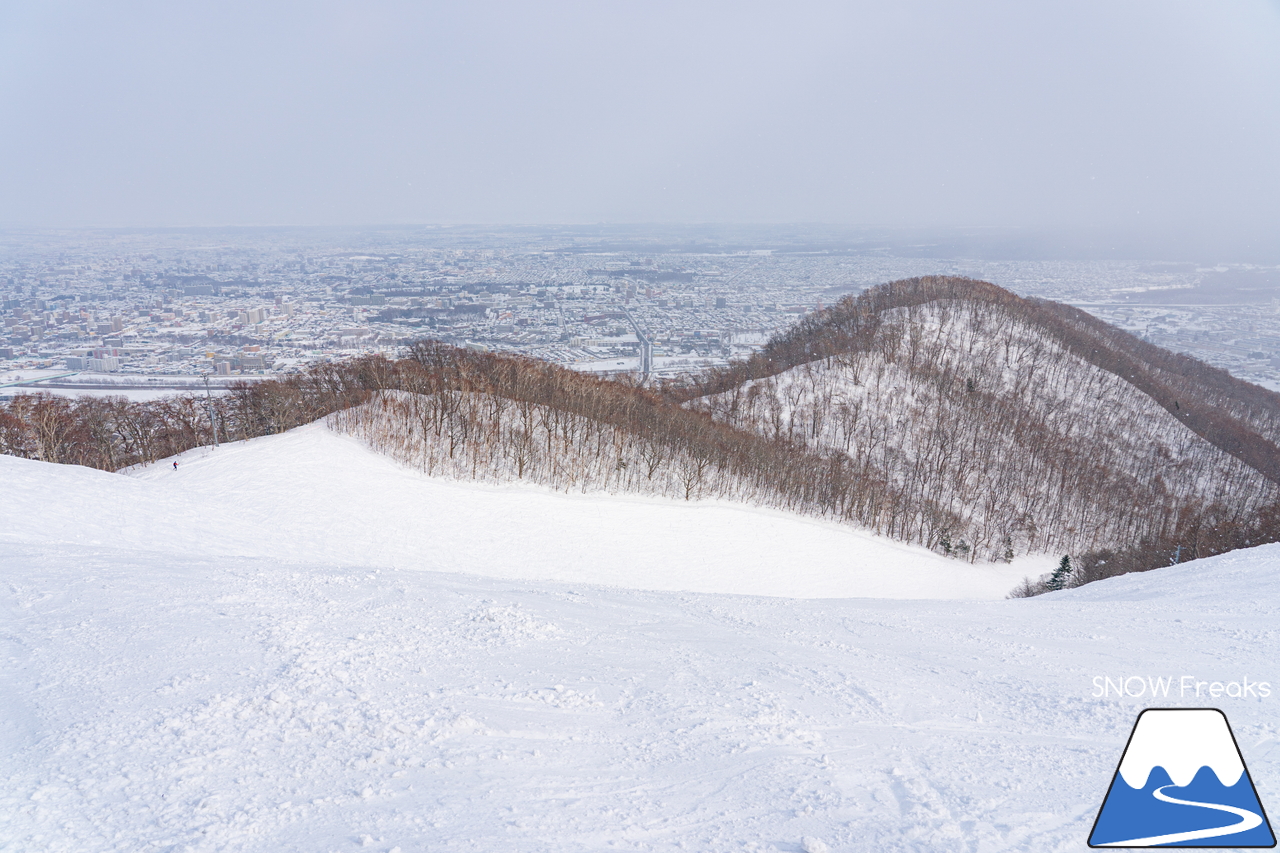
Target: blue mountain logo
[(1182, 783)]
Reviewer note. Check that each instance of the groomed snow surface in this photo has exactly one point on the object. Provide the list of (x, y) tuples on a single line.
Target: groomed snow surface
[(314, 496), (287, 645)]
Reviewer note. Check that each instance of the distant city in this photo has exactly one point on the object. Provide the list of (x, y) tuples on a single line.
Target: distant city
[(104, 310)]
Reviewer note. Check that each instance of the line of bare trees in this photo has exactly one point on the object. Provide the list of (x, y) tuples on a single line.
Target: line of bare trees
[(483, 416), (489, 417), (113, 432)]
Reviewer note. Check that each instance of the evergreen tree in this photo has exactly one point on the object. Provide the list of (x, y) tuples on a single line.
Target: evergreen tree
[(1062, 574)]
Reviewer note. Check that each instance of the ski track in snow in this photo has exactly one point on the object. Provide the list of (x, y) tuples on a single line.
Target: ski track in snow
[(198, 700)]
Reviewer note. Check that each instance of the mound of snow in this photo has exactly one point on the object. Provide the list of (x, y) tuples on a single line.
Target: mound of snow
[(1251, 574), (313, 496)]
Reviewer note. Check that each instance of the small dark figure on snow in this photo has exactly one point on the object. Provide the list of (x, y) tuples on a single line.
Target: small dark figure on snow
[(175, 466)]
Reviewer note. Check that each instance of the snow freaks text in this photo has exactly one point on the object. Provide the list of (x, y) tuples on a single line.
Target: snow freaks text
[(1180, 687)]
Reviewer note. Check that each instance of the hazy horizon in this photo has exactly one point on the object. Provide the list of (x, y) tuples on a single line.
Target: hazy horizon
[(1146, 122)]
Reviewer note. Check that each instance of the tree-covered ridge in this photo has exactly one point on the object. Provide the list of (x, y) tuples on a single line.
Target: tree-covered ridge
[(485, 416), (1236, 416), (1040, 427)]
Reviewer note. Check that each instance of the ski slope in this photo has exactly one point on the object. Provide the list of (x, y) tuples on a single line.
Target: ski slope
[(178, 676), (317, 497)]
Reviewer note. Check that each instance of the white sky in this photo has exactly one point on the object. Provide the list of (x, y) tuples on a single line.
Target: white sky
[(1138, 115)]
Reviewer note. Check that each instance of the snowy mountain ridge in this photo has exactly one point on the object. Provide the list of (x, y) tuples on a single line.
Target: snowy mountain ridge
[(1031, 427)]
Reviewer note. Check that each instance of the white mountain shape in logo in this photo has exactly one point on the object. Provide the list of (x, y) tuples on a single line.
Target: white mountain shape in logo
[(1181, 742)]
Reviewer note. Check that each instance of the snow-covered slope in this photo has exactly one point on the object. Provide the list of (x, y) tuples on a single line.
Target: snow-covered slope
[(317, 497), (157, 702), (1025, 445), (158, 692)]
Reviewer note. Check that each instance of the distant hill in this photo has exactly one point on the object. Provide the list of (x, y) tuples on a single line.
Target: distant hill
[(1035, 426)]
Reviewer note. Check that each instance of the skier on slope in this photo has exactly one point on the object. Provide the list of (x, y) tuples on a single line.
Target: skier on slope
[(175, 464)]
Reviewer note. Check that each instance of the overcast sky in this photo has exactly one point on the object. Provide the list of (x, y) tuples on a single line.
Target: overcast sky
[(1161, 115)]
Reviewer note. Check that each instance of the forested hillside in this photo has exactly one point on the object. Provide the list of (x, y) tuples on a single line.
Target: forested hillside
[(480, 416), (1037, 426), (475, 416)]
